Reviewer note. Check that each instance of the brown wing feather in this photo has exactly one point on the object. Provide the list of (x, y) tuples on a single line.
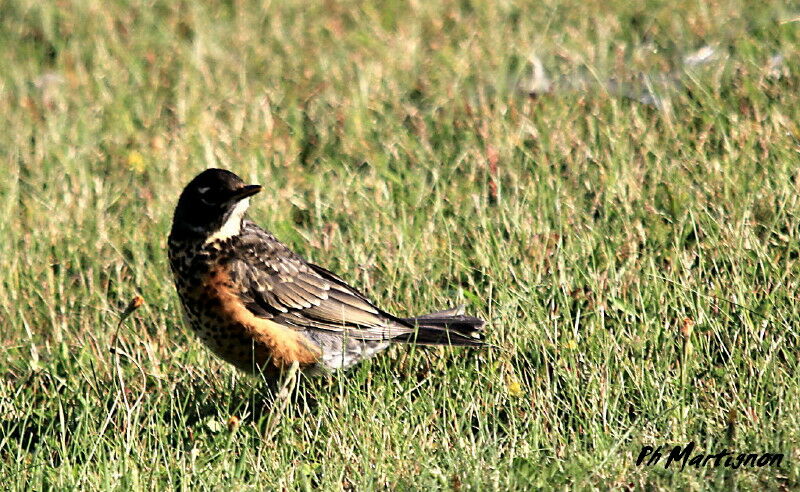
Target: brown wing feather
[(284, 287)]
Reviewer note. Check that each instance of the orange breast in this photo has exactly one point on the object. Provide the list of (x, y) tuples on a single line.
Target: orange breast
[(243, 339)]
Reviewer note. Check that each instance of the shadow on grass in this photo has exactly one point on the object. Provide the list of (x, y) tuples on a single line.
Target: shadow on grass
[(68, 418)]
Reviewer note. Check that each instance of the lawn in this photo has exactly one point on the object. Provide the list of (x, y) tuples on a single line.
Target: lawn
[(613, 186)]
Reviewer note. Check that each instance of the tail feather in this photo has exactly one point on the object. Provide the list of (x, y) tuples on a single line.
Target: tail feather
[(449, 327)]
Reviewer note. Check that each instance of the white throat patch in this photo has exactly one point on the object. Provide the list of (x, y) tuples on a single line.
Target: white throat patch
[(233, 225)]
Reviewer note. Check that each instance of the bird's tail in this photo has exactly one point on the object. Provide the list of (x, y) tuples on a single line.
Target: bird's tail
[(450, 327)]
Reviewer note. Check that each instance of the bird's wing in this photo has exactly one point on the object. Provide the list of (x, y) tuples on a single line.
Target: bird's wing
[(280, 285)]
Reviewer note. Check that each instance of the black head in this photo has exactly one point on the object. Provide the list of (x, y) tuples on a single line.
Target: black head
[(214, 202)]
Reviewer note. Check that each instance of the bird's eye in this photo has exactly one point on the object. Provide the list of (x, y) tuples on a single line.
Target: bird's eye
[(205, 197)]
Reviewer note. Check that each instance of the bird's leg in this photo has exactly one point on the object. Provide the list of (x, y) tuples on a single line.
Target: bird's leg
[(281, 401)]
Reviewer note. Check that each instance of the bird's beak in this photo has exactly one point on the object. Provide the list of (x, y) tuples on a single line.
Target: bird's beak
[(245, 192)]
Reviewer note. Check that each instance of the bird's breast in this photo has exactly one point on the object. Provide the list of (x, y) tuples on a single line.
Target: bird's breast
[(216, 313)]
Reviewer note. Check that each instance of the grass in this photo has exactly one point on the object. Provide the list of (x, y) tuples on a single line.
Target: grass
[(638, 264)]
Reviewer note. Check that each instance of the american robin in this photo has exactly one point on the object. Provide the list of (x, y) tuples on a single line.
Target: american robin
[(263, 308)]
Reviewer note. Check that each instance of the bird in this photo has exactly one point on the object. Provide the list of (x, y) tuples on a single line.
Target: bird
[(263, 308)]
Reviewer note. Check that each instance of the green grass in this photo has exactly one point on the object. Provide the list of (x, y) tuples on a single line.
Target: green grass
[(398, 150)]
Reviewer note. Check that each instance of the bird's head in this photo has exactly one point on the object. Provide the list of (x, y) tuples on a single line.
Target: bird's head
[(212, 206)]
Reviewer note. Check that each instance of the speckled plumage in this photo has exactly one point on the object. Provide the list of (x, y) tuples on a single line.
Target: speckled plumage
[(261, 307)]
